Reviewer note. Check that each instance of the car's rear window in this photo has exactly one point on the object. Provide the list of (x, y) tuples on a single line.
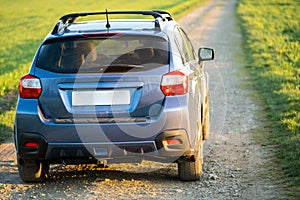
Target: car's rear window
[(99, 55)]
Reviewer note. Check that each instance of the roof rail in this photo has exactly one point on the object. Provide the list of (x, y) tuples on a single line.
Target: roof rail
[(65, 20), (73, 16)]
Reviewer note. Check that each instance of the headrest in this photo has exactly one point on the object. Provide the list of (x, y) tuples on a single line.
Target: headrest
[(88, 49), (145, 53)]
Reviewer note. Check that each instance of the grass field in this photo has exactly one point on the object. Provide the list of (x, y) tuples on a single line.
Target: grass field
[(24, 24), (271, 32)]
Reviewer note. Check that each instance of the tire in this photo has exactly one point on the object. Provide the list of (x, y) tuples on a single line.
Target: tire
[(190, 170), (33, 171), (206, 121)]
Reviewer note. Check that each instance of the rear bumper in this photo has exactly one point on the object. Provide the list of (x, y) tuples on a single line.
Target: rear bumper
[(112, 152), (115, 141)]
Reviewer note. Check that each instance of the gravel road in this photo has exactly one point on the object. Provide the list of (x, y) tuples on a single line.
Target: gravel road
[(235, 167)]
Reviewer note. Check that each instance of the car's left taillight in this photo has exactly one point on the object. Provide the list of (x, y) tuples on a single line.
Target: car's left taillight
[(30, 87), (174, 83)]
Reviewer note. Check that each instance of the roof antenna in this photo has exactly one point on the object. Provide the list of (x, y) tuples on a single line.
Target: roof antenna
[(107, 22)]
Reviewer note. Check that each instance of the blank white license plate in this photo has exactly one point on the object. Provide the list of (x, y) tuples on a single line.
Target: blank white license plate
[(101, 98)]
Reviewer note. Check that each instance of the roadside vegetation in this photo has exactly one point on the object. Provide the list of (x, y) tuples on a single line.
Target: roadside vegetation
[(271, 32), (24, 24)]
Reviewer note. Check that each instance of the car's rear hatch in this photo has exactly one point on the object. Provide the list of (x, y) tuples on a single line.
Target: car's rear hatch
[(108, 79)]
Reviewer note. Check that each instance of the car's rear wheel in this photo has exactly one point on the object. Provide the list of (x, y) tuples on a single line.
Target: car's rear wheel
[(32, 171), (190, 170)]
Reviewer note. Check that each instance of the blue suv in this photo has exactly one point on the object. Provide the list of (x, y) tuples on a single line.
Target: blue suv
[(113, 91)]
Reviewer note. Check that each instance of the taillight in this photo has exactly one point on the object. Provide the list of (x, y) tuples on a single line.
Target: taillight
[(102, 34), (30, 87), (174, 83)]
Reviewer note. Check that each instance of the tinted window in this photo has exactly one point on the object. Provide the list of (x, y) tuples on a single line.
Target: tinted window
[(189, 48), (114, 54)]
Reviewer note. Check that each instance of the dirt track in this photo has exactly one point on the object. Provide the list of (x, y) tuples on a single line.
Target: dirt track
[(235, 166)]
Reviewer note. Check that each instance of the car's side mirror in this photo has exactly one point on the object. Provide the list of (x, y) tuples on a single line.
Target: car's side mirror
[(206, 54)]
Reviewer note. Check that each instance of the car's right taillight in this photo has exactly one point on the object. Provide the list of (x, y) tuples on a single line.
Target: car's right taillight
[(30, 87), (174, 83)]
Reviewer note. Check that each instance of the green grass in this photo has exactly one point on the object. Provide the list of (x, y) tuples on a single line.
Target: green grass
[(271, 32), (24, 24)]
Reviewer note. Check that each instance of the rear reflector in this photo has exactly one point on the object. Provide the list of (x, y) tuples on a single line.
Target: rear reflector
[(174, 83), (173, 141), (32, 144), (30, 87)]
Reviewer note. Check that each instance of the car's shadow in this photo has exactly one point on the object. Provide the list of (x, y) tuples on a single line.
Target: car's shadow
[(98, 174)]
